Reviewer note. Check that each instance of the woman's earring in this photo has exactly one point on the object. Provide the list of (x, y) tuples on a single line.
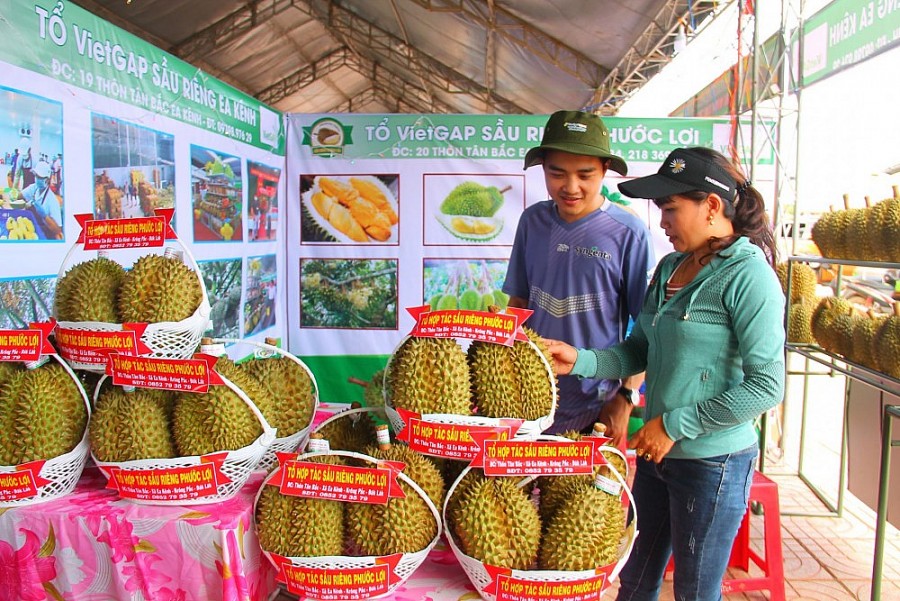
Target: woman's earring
[(712, 221)]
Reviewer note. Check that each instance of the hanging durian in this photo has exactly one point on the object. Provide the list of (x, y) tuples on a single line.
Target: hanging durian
[(887, 344)]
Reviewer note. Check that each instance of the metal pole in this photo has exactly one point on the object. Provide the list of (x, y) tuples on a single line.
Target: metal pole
[(884, 478)]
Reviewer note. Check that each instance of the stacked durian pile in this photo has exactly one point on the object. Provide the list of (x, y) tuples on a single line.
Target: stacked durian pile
[(869, 339), (294, 526), (155, 424), (566, 523), (802, 301), (157, 288), (435, 375), (43, 413), (869, 234)]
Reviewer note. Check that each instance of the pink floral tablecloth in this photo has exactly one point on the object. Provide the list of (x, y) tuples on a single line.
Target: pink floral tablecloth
[(92, 546)]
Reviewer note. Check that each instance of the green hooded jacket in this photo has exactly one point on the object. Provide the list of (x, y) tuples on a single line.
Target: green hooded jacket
[(713, 353)]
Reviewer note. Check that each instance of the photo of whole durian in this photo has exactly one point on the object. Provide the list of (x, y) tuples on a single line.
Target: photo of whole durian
[(469, 211), (349, 209)]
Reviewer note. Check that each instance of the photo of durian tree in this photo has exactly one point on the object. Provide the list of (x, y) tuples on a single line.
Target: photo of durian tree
[(348, 293), (26, 300), (472, 285), (259, 306), (223, 286)]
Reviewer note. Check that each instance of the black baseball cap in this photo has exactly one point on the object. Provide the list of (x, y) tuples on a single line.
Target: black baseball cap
[(576, 132), (684, 170)]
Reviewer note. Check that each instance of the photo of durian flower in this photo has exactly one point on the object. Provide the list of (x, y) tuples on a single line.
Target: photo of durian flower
[(260, 292), (26, 300), (349, 209), (466, 209), (348, 293), (222, 278), (466, 284)]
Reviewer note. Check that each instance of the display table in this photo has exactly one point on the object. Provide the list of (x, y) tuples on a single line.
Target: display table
[(92, 545)]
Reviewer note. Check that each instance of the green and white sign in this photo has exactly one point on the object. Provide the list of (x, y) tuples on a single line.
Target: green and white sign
[(492, 137), (847, 32), (63, 41)]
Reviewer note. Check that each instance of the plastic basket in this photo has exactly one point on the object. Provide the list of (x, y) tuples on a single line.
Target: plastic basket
[(289, 442), (408, 562), (350, 413), (236, 467), (528, 428), (58, 475), (480, 576), (165, 339)]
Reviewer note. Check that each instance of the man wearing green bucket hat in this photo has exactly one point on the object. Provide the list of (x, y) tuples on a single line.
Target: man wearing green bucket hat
[(581, 263)]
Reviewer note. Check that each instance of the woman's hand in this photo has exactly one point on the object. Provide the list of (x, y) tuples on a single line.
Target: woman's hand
[(651, 441), (564, 356)]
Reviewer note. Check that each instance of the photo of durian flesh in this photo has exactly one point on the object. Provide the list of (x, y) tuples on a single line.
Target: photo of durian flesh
[(469, 211), (358, 209)]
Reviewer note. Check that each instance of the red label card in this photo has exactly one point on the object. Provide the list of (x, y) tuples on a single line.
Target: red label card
[(337, 482), (169, 484), (137, 232), (21, 345), (84, 346), (518, 589), (450, 441), (539, 458), (192, 375), (17, 485), (336, 584), (499, 328)]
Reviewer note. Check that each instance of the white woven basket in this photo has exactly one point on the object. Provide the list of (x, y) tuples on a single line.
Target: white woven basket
[(284, 442), (528, 429), (408, 563), (63, 471), (237, 466), (165, 339), (480, 577), (350, 413)]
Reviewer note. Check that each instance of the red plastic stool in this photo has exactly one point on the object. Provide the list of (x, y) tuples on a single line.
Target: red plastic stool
[(765, 492)]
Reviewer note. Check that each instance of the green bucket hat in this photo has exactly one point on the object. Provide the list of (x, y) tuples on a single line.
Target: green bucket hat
[(576, 132)]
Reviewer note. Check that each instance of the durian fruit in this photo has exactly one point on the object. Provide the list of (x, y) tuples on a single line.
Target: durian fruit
[(354, 432), (11, 377), (373, 396), (864, 339), (799, 320), (842, 328), (511, 381), (887, 344), (803, 280), (422, 470), (585, 532), (129, 425), (884, 227), (853, 223), (43, 414), (217, 420), (475, 229), (496, 522), (823, 317), (312, 230), (474, 199), (430, 375), (159, 288), (859, 239), (288, 399), (402, 525), (294, 526), (89, 292), (826, 233)]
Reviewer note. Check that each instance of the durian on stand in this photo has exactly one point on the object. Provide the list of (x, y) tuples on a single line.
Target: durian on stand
[(220, 436), (505, 538), (365, 496), (44, 439)]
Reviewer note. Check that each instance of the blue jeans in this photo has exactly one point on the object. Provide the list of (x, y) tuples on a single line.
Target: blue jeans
[(689, 508)]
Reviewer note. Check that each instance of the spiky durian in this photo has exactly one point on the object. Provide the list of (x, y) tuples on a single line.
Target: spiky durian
[(300, 527), (823, 317), (217, 420), (799, 330), (864, 339), (430, 375), (44, 414), (89, 292), (889, 229), (13, 376), (842, 327), (496, 523), (420, 469), (132, 425), (887, 344), (288, 398), (402, 525), (803, 280), (159, 288), (826, 234), (354, 432), (585, 533), (472, 198), (511, 381)]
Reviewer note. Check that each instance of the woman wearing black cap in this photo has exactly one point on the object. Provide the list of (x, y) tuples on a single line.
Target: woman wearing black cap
[(711, 339)]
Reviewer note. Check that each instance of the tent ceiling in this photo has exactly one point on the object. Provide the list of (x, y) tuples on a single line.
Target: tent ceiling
[(429, 56)]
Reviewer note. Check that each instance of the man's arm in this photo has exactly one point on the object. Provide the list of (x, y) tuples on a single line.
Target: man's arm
[(517, 302)]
